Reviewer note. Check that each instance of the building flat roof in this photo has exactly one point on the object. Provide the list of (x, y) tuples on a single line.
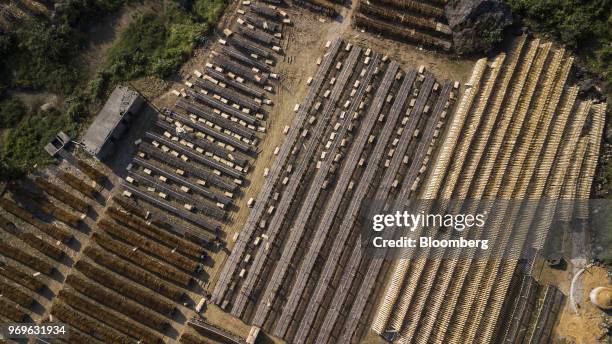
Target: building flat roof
[(119, 102)]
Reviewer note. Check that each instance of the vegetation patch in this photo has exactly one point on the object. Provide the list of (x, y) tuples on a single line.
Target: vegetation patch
[(153, 45), (585, 26), (41, 54)]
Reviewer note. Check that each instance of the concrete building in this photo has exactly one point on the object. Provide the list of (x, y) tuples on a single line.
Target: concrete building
[(57, 144), (111, 122)]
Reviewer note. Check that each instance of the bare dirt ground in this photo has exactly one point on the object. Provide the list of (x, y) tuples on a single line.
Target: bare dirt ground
[(582, 327), (34, 100)]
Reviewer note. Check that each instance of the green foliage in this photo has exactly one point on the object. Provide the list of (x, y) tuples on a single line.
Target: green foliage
[(11, 112), (493, 37), (602, 64), (41, 56), (78, 14), (23, 143), (575, 22), (583, 25), (209, 10)]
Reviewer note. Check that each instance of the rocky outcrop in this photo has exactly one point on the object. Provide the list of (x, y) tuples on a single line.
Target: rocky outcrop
[(477, 25)]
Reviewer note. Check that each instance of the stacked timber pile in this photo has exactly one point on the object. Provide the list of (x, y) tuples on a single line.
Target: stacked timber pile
[(517, 131), (463, 26), (365, 127), (322, 7), (416, 21), (192, 163)]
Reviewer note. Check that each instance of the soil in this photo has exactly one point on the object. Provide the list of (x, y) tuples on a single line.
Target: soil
[(583, 326)]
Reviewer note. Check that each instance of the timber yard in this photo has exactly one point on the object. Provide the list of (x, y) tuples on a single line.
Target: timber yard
[(229, 209)]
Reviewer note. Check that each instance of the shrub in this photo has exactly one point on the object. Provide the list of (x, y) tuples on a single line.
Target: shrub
[(22, 146), (153, 45), (209, 10), (583, 25), (11, 112)]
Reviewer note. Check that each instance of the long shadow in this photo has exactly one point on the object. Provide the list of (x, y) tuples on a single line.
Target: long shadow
[(264, 338), (208, 262), (27, 196), (67, 260), (125, 147), (99, 198), (37, 308), (106, 184), (338, 18), (171, 332), (74, 245), (57, 276), (91, 213), (47, 293), (203, 276), (179, 317), (83, 227), (196, 288)]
